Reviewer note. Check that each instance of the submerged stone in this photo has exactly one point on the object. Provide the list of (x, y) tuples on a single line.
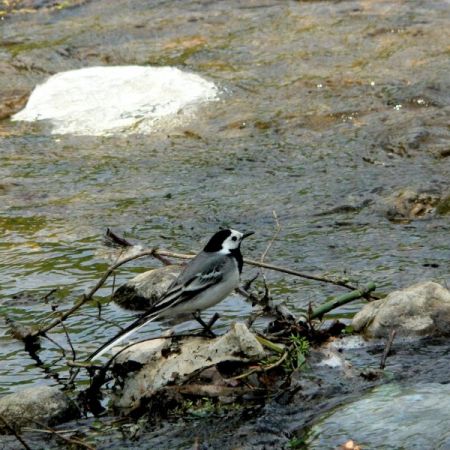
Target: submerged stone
[(117, 100), (408, 204)]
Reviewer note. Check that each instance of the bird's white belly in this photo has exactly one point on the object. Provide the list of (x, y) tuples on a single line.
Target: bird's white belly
[(207, 298)]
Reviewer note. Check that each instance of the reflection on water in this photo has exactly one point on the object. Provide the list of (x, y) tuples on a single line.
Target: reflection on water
[(309, 120)]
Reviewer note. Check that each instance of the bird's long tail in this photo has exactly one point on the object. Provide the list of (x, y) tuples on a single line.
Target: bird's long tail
[(127, 332)]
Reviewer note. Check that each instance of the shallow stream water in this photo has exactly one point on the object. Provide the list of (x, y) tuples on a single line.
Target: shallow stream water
[(327, 110)]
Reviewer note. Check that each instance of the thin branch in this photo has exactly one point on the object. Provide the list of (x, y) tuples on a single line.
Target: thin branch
[(75, 441), (298, 274), (160, 254), (14, 432), (255, 263), (113, 287), (261, 368), (264, 301), (112, 239), (387, 349), (99, 310), (58, 345), (46, 297), (275, 235), (252, 262), (318, 312), (87, 297), (74, 354)]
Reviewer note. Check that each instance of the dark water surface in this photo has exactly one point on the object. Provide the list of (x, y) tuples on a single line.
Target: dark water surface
[(324, 104)]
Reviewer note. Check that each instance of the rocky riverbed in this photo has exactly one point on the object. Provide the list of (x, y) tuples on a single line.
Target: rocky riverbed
[(333, 114)]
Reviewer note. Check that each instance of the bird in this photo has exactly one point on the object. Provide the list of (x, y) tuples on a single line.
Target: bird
[(205, 281)]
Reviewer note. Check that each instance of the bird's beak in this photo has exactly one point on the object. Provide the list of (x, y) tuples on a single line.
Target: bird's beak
[(249, 233)]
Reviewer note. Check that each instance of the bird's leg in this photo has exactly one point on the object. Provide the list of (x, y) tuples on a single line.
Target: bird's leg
[(213, 320), (206, 326)]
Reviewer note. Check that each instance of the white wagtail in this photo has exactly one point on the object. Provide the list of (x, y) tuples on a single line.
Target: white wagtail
[(206, 280)]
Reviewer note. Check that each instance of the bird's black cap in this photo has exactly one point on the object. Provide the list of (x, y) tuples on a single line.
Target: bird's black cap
[(215, 243)]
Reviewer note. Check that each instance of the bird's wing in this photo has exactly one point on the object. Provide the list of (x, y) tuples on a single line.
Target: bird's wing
[(185, 289)]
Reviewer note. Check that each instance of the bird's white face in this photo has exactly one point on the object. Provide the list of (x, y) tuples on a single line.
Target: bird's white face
[(232, 242)]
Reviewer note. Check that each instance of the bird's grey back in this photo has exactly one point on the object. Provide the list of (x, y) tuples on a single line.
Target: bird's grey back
[(203, 263)]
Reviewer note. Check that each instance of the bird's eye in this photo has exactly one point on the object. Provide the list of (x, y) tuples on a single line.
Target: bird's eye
[(234, 238)]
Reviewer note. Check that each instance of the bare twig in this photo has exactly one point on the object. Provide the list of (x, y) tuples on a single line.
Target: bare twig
[(114, 240), (113, 287), (318, 312), (161, 255), (76, 441), (74, 355), (99, 310), (298, 274), (87, 297), (255, 263), (63, 350), (208, 390), (264, 301), (46, 296), (275, 235), (387, 349), (14, 432), (261, 368)]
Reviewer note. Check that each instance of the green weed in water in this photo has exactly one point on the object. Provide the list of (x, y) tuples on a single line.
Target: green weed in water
[(298, 349)]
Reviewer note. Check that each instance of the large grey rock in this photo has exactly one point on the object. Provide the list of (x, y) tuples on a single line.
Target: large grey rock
[(44, 404), (420, 310), (148, 366), (142, 292)]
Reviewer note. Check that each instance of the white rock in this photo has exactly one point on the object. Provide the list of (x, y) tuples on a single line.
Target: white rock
[(411, 312), (183, 359), (117, 100)]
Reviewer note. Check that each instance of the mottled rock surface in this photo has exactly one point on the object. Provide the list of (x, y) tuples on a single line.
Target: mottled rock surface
[(151, 365)]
